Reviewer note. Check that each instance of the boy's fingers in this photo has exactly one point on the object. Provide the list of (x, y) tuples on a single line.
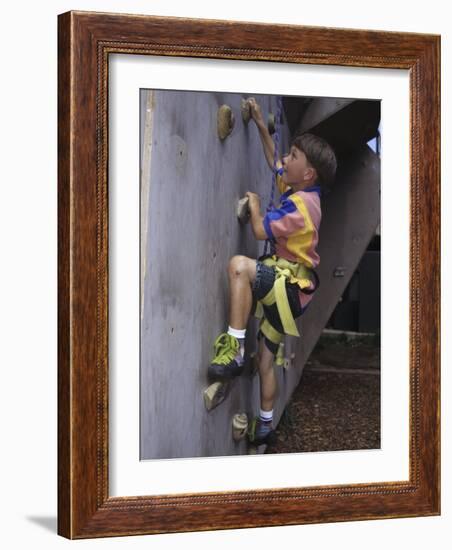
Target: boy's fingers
[(252, 196), (253, 104)]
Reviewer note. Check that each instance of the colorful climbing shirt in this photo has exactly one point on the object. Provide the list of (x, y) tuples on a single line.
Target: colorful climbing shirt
[(294, 225)]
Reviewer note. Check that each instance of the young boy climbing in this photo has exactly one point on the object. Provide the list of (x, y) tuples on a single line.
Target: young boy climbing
[(282, 284)]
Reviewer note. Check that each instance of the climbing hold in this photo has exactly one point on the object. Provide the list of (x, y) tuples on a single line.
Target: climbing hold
[(245, 110), (289, 361), (215, 394), (239, 426), (225, 121), (271, 123), (339, 271), (243, 212)]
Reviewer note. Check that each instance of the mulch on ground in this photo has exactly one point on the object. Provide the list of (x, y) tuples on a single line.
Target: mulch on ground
[(336, 406)]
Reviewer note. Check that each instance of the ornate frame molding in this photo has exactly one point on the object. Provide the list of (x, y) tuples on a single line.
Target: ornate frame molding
[(85, 42)]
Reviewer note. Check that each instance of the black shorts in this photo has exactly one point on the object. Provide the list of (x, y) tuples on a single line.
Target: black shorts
[(265, 279)]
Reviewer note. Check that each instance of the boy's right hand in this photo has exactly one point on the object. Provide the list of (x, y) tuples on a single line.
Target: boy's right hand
[(255, 111)]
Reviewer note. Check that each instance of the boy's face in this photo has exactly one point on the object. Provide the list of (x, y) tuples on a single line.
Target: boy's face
[(297, 169)]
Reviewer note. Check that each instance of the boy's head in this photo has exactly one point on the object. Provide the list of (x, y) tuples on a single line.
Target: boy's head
[(311, 161)]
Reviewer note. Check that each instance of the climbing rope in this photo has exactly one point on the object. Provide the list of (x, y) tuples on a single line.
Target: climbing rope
[(269, 244)]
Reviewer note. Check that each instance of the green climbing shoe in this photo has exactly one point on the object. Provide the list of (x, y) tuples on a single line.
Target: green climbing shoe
[(226, 363)]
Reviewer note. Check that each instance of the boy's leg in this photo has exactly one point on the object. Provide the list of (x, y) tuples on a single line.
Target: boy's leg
[(242, 273), (230, 347), (261, 428), (267, 376)]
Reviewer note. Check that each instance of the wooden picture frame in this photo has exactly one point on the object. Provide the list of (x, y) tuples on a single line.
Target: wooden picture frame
[(85, 42)]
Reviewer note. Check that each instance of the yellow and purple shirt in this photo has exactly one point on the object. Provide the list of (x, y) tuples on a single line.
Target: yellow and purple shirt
[(294, 226)]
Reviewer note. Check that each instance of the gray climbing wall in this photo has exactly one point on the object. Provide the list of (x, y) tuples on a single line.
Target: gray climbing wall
[(190, 185)]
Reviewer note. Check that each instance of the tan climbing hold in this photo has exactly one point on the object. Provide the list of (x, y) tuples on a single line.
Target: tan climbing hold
[(243, 211), (225, 121), (239, 426), (245, 110), (215, 394)]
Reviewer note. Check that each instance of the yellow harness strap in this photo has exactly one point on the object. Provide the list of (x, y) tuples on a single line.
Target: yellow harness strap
[(269, 332), (284, 271)]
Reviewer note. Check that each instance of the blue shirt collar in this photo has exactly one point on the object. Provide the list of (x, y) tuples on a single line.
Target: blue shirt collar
[(315, 188)]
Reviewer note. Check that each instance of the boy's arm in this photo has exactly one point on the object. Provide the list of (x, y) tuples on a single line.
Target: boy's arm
[(267, 141), (257, 220)]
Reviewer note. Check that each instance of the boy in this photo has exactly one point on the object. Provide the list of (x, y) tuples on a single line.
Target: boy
[(283, 283)]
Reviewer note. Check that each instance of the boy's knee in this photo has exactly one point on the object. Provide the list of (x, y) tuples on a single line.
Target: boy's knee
[(238, 265)]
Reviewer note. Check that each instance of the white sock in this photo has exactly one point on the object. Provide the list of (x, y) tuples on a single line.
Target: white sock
[(240, 335), (266, 416)]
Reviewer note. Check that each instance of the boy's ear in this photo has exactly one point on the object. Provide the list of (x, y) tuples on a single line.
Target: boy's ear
[(311, 173)]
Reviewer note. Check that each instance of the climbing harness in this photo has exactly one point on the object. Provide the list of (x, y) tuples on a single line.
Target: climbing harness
[(291, 272)]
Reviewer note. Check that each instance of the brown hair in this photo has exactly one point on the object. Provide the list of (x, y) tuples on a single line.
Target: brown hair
[(320, 155)]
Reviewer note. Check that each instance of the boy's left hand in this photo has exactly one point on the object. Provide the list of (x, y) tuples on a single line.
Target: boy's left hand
[(254, 202)]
